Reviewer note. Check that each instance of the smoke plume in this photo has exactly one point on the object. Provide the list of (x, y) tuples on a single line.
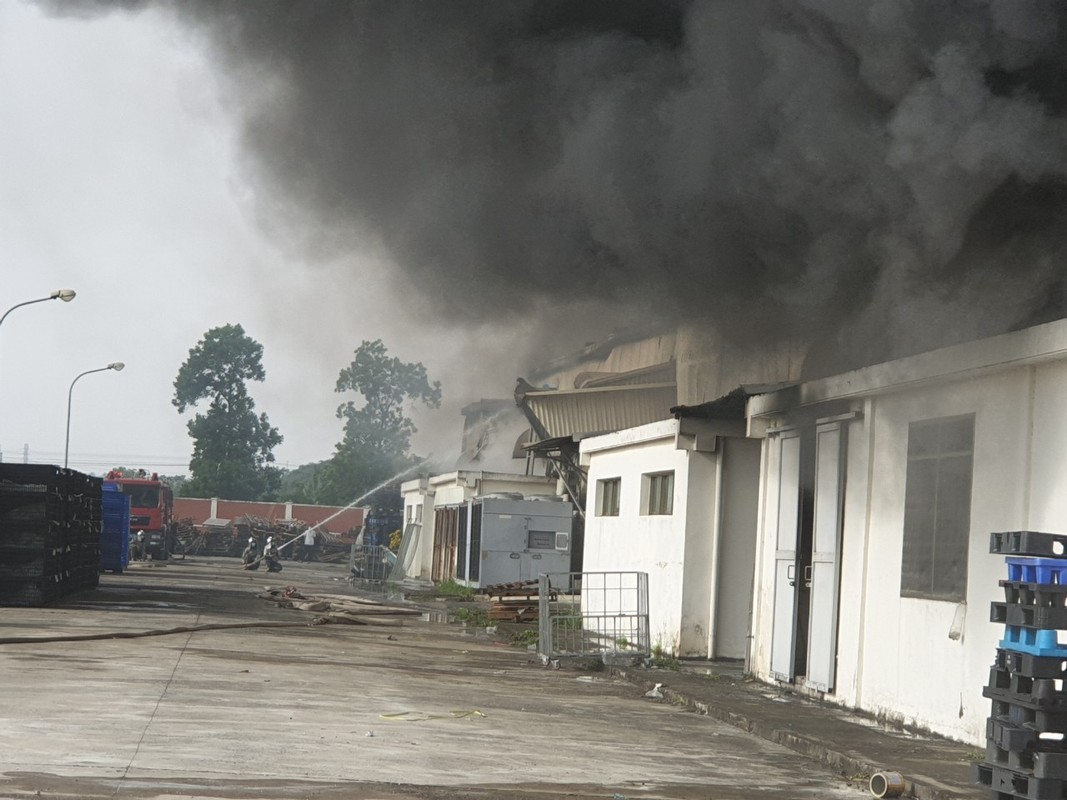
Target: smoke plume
[(891, 170)]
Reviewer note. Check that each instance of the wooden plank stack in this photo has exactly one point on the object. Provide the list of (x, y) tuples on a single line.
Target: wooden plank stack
[(514, 602)]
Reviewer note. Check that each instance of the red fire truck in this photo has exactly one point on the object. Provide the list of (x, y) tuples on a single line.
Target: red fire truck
[(151, 507)]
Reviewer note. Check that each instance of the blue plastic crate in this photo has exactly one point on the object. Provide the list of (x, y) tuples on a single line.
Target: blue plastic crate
[(1034, 642), (1037, 570), (114, 530)]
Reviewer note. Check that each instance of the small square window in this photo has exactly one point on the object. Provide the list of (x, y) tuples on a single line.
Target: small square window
[(540, 540), (658, 493), (608, 497)]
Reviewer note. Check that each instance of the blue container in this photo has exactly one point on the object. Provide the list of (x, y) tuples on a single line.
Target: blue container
[(115, 531)]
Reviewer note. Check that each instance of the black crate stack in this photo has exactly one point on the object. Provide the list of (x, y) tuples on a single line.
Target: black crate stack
[(50, 521), (1026, 733)]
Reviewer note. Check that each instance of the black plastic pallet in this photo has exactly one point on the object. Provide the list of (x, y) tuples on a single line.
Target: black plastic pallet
[(1044, 763), (1031, 666), (31, 537), (1007, 736), (1019, 784), (1047, 694), (46, 474), (27, 505), (28, 593), (1035, 717), (1029, 543), (1043, 692), (1028, 593), (31, 570), (1027, 616), (9, 554)]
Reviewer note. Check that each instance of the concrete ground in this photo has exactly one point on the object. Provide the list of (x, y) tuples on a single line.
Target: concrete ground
[(407, 709)]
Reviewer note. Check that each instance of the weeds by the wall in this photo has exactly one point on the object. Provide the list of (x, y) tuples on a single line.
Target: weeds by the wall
[(449, 588)]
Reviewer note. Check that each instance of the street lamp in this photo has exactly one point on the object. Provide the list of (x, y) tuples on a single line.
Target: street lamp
[(66, 295), (115, 365)]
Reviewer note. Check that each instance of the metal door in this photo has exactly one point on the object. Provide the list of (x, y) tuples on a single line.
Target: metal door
[(787, 449), (824, 573)]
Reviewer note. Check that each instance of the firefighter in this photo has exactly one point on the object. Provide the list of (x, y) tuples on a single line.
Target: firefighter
[(271, 556), (137, 548), (250, 556)]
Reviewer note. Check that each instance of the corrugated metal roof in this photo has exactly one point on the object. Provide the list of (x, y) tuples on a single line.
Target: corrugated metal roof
[(654, 373), (611, 408)]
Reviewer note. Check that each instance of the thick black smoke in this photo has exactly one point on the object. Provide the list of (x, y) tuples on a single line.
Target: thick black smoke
[(894, 169)]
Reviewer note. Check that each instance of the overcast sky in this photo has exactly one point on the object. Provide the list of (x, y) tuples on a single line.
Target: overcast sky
[(121, 180)]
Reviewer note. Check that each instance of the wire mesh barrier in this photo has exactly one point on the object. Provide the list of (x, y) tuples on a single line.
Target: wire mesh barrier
[(370, 563), (593, 615)]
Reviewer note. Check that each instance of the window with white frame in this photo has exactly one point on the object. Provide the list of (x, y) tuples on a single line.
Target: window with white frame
[(607, 492), (937, 508), (657, 493)]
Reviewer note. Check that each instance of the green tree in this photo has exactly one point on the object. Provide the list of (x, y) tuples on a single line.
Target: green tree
[(303, 484), (232, 446), (377, 432)]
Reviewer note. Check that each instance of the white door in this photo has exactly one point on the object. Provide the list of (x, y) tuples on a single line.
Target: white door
[(824, 574), (785, 556)]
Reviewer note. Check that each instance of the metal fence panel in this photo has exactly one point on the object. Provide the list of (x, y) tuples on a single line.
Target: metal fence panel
[(370, 563), (593, 614)]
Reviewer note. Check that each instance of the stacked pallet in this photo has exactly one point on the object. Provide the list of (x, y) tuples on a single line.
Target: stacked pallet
[(50, 523), (1026, 733), (515, 602), (115, 530)]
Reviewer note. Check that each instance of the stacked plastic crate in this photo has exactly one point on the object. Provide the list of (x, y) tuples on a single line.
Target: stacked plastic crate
[(1026, 733), (115, 533), (49, 533), (85, 515)]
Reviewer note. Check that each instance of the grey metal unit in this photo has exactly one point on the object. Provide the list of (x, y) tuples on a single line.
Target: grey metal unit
[(509, 540)]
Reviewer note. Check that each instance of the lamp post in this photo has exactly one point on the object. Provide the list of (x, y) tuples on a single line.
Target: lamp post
[(66, 295), (115, 365)]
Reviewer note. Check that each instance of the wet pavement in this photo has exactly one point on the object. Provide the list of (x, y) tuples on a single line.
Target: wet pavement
[(847, 742), (217, 693)]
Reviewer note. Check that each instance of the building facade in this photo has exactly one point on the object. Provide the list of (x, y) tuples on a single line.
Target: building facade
[(879, 490)]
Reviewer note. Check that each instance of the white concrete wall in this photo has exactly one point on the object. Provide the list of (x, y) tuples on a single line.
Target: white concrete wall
[(418, 500), (1047, 501), (910, 668), (699, 593), (895, 655), (700, 522), (634, 542)]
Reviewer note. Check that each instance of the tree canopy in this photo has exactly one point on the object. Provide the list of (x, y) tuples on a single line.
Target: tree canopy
[(378, 431), (232, 450)]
